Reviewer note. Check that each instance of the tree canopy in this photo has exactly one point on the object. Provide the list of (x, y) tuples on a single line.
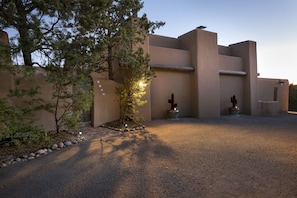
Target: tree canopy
[(88, 27), (72, 38)]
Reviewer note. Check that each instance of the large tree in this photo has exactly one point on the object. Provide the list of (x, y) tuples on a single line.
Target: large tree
[(109, 37), (118, 25), (99, 24), (36, 22), (66, 46), (72, 38)]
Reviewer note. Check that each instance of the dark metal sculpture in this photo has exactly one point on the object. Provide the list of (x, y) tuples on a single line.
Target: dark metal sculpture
[(171, 101), (234, 101)]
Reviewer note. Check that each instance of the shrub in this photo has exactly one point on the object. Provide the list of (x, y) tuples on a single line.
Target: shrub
[(15, 128), (292, 97)]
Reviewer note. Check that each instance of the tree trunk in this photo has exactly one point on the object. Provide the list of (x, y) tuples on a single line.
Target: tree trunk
[(23, 29), (109, 62)]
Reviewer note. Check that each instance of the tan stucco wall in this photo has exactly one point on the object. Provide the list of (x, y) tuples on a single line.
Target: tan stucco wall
[(7, 83), (208, 75), (106, 106), (188, 41), (145, 110), (224, 50), (166, 83), (202, 92), (206, 83), (169, 57), (43, 118), (231, 85), (266, 92), (247, 50), (230, 63), (163, 41)]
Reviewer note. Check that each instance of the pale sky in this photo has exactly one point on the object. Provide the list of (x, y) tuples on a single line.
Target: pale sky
[(270, 23)]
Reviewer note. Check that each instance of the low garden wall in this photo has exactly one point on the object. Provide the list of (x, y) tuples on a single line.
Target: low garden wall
[(269, 108)]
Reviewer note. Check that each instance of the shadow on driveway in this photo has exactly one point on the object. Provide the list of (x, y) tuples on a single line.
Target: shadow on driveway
[(241, 156), (111, 166)]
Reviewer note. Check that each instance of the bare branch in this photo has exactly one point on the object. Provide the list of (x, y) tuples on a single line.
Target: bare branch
[(53, 25)]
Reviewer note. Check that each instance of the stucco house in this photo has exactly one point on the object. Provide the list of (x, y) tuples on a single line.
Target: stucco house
[(201, 74), (203, 77)]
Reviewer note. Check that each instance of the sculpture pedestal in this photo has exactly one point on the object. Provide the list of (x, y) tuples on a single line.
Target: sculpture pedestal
[(172, 114), (233, 110)]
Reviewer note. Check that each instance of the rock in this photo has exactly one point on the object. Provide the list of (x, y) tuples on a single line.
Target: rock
[(3, 165), (41, 151), (54, 146), (10, 157), (44, 151), (74, 142), (67, 143), (61, 145)]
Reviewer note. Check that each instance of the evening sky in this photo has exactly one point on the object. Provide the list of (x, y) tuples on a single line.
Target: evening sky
[(271, 23)]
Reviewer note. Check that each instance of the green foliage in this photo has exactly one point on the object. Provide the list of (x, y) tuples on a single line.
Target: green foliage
[(124, 31), (16, 119), (292, 97), (15, 128), (136, 75), (73, 38), (36, 22), (73, 95), (117, 23)]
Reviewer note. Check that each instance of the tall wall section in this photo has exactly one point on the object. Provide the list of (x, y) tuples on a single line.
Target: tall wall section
[(105, 104), (174, 71), (247, 51), (206, 83), (231, 79)]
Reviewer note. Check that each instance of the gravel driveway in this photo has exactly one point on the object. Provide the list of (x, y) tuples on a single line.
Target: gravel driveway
[(241, 156)]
